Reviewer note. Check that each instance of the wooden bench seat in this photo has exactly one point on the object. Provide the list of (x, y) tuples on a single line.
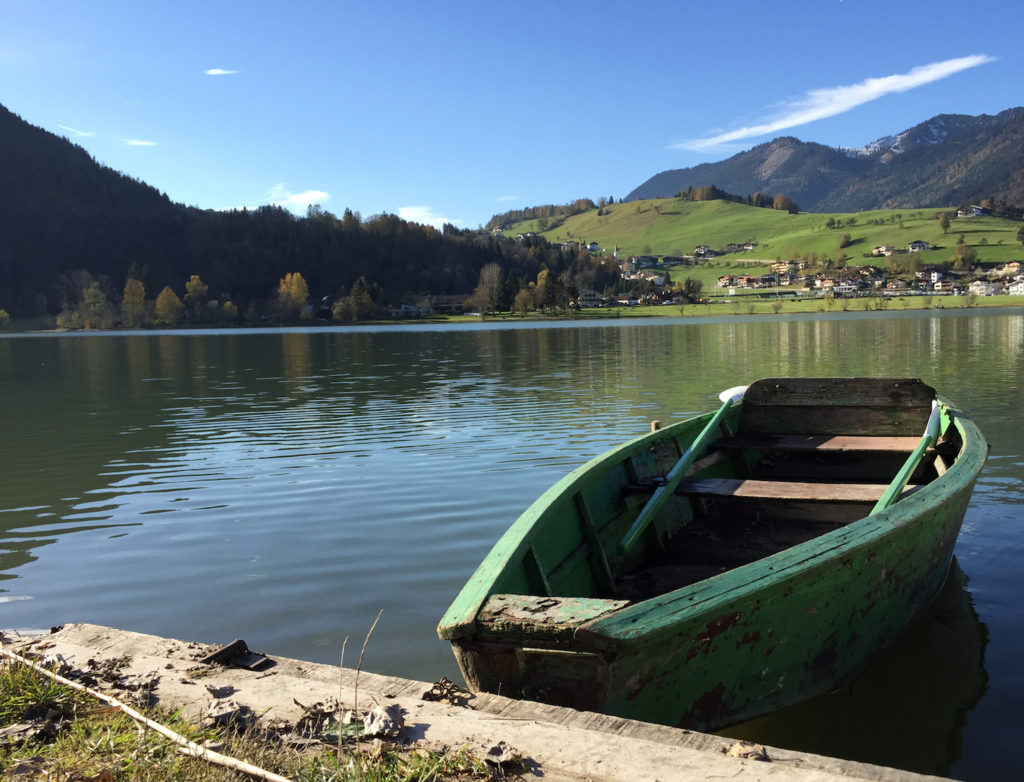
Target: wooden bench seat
[(822, 443), (783, 490)]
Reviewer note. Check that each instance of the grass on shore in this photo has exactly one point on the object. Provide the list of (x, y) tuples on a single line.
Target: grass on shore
[(51, 731)]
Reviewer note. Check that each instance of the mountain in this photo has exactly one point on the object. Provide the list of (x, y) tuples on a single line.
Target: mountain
[(950, 159)]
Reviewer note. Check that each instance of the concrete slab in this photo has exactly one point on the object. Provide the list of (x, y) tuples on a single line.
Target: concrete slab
[(561, 744)]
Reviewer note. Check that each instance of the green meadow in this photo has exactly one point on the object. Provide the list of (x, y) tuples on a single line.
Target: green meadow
[(671, 226)]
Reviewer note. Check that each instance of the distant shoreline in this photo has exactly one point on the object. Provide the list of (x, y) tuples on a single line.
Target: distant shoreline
[(742, 306)]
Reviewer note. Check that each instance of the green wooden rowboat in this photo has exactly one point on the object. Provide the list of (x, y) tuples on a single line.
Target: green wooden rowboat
[(729, 565)]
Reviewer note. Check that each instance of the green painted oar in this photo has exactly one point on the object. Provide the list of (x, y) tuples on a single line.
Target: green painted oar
[(729, 397), (931, 434)]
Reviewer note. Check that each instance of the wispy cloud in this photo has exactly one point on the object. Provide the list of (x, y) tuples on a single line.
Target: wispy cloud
[(279, 195), (507, 198), (137, 142), (830, 101), (425, 215), (218, 72), (75, 133)]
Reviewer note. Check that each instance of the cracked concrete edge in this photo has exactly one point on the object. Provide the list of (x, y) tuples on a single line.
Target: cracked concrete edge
[(559, 743)]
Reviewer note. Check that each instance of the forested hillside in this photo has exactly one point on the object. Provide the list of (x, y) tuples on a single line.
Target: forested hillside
[(67, 222)]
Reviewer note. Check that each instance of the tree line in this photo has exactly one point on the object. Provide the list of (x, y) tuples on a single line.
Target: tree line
[(712, 193), (548, 212)]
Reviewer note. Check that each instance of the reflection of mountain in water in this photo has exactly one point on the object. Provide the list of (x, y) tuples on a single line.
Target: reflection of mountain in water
[(908, 708)]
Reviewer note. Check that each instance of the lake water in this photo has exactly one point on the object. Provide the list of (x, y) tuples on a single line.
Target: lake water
[(285, 486)]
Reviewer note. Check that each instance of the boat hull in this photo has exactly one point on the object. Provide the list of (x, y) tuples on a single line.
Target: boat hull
[(739, 644)]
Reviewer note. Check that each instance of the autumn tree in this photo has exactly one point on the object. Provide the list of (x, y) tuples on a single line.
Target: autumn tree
[(341, 310), (195, 296), (693, 288), (293, 296), (489, 288), (133, 303), (363, 306), (168, 307), (963, 255), (546, 292), (5, 318), (523, 301), (784, 203), (95, 307)]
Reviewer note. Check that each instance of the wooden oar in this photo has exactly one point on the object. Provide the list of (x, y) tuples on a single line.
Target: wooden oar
[(729, 397), (931, 434)]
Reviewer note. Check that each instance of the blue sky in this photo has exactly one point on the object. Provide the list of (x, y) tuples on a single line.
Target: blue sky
[(455, 111)]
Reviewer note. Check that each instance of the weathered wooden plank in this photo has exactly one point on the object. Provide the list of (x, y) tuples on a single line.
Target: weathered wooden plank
[(812, 442), (540, 616), (837, 406), (784, 490), (870, 421), (599, 561), (897, 392)]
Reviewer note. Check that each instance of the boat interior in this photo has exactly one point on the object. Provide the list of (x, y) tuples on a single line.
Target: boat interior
[(798, 458), (803, 457)]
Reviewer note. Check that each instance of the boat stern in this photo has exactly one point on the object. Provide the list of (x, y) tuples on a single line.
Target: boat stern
[(525, 646)]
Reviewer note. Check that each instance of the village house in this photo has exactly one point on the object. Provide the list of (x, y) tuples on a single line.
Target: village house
[(589, 298), (406, 311), (895, 284), (645, 261), (726, 281), (917, 246), (593, 247), (974, 210), (656, 278), (882, 249), (930, 274), (447, 304), (944, 286), (1016, 288), (984, 288)]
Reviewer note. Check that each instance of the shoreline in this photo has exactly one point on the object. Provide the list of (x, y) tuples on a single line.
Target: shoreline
[(761, 311), (557, 743)]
